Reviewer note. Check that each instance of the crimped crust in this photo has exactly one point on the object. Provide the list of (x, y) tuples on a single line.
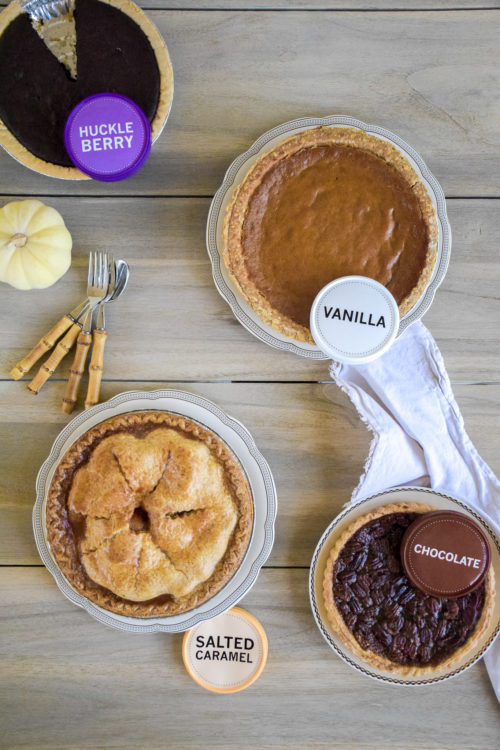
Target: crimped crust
[(23, 155), (64, 547), (233, 252), (376, 660)]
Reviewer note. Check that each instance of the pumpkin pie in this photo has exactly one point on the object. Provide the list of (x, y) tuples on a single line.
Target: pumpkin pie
[(118, 50), (381, 617), (328, 202), (149, 514)]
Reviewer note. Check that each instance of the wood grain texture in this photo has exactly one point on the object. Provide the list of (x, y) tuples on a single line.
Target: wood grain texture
[(309, 433), (300, 429), (171, 323), (306, 5), (69, 682), (428, 76)]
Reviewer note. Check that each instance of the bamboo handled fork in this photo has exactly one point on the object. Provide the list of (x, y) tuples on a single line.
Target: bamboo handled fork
[(70, 321), (107, 279), (100, 285), (100, 334)]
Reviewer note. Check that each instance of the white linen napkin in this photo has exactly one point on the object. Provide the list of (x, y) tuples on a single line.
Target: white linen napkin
[(405, 399)]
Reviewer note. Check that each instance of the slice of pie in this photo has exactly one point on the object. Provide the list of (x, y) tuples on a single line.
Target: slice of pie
[(118, 50), (59, 35), (381, 617), (149, 514), (328, 202)]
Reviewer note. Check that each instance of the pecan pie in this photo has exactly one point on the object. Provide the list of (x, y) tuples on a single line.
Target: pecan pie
[(148, 514), (326, 203), (118, 50), (381, 617)]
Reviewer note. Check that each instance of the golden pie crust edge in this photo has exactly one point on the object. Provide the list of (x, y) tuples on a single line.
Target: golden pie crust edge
[(377, 661), (67, 557), (16, 149), (233, 252)]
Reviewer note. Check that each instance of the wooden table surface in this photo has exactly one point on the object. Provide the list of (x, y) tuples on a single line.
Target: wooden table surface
[(426, 69)]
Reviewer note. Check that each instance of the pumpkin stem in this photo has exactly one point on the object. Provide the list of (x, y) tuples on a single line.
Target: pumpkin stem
[(18, 240)]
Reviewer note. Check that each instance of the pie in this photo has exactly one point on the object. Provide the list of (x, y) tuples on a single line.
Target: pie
[(381, 617), (118, 50), (148, 514), (328, 202)]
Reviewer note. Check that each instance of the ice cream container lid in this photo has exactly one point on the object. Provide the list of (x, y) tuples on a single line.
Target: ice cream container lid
[(227, 653), (445, 554), (108, 137), (354, 319)]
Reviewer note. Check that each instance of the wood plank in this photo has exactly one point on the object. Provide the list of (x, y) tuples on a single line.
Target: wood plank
[(173, 325), (83, 685), (308, 5), (300, 429), (469, 293), (310, 434), (428, 76)]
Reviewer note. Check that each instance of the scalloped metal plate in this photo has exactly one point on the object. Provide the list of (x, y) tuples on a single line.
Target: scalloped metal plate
[(242, 445), (325, 544), (236, 173)]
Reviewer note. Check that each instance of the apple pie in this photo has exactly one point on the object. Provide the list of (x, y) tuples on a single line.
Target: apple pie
[(149, 514)]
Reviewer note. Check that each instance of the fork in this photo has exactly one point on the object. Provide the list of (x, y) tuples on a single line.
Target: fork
[(99, 336), (97, 289)]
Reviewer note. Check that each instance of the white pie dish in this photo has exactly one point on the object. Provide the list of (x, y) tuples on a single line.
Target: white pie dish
[(241, 444), (237, 173), (335, 529)]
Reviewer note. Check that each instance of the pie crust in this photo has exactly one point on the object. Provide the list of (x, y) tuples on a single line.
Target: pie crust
[(148, 514), (16, 149), (379, 661), (272, 163)]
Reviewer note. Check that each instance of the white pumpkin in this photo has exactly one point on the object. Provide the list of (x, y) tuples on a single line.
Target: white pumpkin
[(35, 246)]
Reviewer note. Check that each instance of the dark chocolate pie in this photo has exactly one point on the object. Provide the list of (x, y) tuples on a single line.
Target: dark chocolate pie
[(328, 202), (381, 616), (118, 50)]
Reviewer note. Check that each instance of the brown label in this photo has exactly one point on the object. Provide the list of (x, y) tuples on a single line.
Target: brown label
[(445, 553)]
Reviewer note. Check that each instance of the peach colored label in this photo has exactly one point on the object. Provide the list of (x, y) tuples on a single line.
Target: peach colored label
[(227, 653)]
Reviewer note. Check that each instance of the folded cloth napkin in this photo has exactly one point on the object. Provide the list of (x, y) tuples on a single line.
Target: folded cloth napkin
[(405, 399)]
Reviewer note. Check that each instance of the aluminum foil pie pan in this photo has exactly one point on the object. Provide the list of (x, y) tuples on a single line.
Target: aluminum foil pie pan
[(237, 173), (241, 444), (422, 496)]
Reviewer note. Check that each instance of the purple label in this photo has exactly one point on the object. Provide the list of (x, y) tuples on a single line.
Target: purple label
[(108, 137)]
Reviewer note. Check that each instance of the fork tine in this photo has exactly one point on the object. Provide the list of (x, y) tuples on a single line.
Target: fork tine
[(98, 269), (97, 258), (90, 271), (99, 277), (97, 261), (105, 273), (101, 269)]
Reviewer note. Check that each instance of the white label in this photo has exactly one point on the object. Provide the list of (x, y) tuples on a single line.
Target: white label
[(225, 652), (354, 319)]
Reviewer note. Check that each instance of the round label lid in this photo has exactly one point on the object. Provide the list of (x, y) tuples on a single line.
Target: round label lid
[(445, 554), (354, 319), (227, 653), (108, 137)]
